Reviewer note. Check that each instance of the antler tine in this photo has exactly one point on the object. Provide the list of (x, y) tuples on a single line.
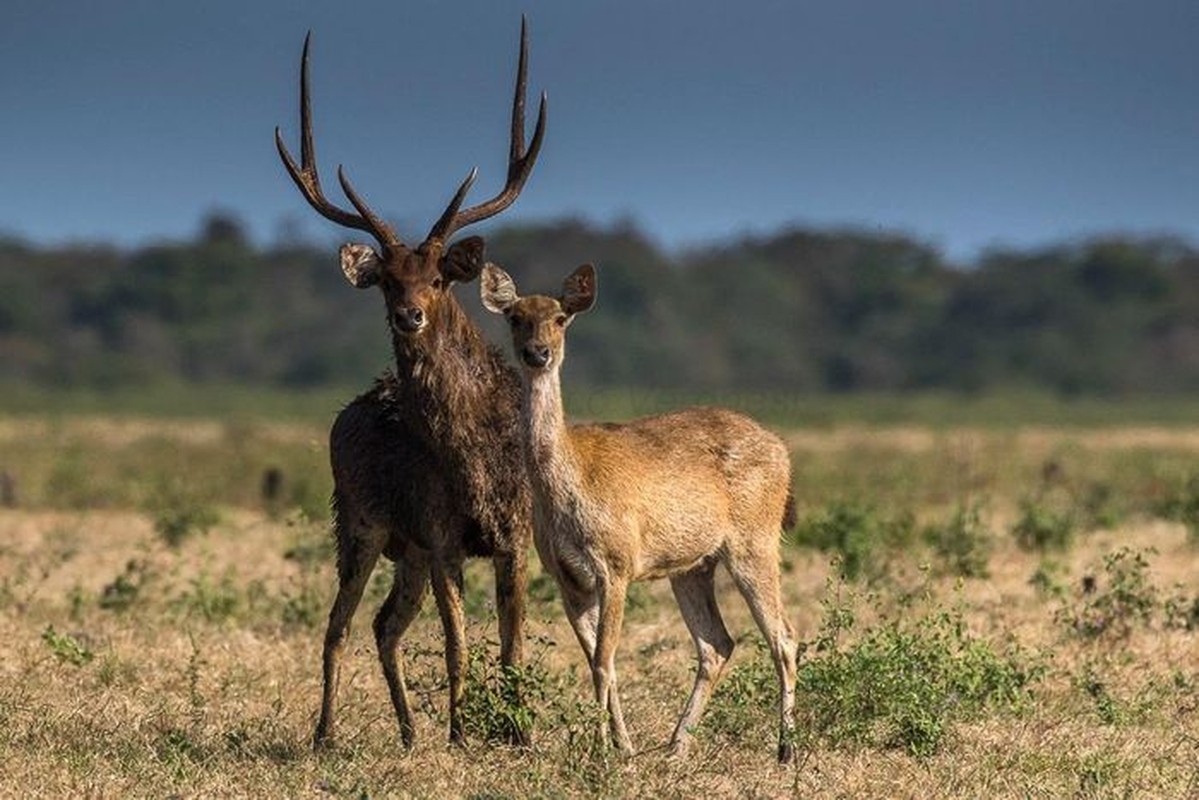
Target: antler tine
[(307, 178), (520, 161)]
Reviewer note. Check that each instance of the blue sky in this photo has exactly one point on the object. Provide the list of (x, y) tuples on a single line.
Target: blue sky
[(963, 123)]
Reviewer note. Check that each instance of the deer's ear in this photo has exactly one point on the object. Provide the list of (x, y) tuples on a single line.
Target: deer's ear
[(463, 261), (578, 290), (361, 265), (497, 290)]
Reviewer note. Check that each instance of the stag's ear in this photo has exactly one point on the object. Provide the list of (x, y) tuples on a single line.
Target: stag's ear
[(361, 265), (463, 261), (578, 290), (497, 290)]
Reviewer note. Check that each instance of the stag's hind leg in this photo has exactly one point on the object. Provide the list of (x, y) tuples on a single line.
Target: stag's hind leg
[(396, 614), (358, 548), (757, 577), (696, 595)]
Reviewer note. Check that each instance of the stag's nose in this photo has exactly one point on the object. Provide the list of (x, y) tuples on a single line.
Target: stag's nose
[(536, 355), (410, 319)]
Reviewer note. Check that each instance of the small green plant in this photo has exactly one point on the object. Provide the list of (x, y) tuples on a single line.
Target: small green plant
[(963, 543), (1042, 528), (859, 534), (1101, 507), (1119, 602), (179, 514), (741, 705), (209, 600), (1049, 578), (67, 648), (1182, 505), (304, 608), (124, 590), (1181, 611), (500, 701)]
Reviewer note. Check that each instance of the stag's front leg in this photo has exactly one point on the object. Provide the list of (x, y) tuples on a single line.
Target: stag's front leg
[(510, 592), (447, 589)]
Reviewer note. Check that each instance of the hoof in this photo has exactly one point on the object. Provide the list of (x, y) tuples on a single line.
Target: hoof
[(786, 752)]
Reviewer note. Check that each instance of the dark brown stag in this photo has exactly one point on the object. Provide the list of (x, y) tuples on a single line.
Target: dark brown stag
[(427, 465)]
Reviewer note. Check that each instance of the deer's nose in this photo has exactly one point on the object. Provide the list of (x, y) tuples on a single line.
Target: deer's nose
[(536, 355), (410, 319)]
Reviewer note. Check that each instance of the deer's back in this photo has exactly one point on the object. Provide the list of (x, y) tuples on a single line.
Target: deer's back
[(689, 481)]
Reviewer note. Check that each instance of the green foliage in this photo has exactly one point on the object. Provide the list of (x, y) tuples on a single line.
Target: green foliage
[(963, 543), (1117, 603), (209, 600), (905, 681), (1181, 504), (901, 682), (124, 590), (179, 514), (1043, 528), (67, 648), (740, 707), (1048, 580), (500, 703), (858, 533)]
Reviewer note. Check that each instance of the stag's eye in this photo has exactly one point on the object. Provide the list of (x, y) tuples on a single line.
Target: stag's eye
[(560, 320)]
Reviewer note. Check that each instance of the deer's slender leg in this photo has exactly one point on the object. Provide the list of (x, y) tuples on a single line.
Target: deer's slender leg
[(583, 611), (447, 589), (757, 578), (358, 552), (603, 663), (696, 595), (396, 614)]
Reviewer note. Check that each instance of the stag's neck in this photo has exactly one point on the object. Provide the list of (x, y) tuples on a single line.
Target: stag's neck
[(450, 357)]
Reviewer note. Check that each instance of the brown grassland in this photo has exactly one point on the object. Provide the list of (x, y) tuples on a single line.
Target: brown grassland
[(1022, 620)]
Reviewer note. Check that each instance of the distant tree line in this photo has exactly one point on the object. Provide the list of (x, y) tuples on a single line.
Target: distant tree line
[(800, 310)]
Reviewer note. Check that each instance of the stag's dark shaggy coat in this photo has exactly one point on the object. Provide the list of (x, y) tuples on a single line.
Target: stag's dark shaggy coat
[(428, 465)]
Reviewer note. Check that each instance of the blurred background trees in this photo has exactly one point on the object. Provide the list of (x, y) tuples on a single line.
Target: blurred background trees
[(800, 310)]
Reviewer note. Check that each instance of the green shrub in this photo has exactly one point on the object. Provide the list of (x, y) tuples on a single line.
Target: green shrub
[(859, 534), (742, 706), (67, 648), (900, 683), (180, 514), (1182, 505), (963, 543), (1119, 602), (124, 590), (211, 601), (500, 701), (1042, 528)]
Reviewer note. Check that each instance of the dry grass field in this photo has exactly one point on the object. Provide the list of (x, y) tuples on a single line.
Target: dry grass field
[(1021, 619)]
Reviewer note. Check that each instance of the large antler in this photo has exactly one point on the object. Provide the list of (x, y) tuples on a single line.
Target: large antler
[(520, 161), (309, 181)]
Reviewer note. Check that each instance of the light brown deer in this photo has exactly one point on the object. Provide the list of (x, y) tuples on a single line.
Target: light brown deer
[(667, 496), (428, 465)]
